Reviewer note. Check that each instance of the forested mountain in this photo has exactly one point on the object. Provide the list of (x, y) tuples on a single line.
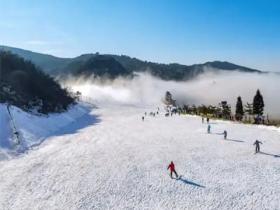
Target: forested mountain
[(96, 65), (176, 71), (114, 65), (23, 84)]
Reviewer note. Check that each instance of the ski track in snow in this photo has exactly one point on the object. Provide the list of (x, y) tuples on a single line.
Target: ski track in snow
[(121, 163)]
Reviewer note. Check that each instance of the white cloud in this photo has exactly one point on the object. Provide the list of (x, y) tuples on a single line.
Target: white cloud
[(209, 88)]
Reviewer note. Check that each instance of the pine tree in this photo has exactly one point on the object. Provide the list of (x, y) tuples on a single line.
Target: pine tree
[(168, 99), (239, 112), (258, 104), (249, 108), (226, 110)]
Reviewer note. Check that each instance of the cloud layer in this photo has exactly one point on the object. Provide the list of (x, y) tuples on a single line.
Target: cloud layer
[(209, 88)]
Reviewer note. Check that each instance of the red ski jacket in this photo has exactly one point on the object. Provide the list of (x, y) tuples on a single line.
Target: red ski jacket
[(171, 167)]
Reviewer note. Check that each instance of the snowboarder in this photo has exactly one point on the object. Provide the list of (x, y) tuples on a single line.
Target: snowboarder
[(225, 134), (208, 129), (257, 143), (172, 169)]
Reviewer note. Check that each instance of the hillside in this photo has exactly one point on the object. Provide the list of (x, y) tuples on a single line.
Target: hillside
[(97, 65), (46, 62), (24, 85), (115, 65), (176, 71)]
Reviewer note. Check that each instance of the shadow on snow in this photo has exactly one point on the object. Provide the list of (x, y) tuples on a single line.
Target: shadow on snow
[(264, 153), (81, 123), (235, 140), (185, 181)]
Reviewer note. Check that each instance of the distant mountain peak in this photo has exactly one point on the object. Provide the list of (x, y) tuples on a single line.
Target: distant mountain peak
[(121, 65)]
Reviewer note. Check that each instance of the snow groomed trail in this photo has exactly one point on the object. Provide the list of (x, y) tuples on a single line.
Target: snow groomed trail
[(120, 162)]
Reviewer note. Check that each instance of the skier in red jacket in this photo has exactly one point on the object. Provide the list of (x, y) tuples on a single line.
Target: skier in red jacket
[(172, 169)]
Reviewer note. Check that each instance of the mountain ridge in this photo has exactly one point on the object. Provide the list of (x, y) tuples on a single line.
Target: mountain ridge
[(120, 65)]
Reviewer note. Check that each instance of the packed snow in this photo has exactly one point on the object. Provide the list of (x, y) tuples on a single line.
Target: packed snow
[(114, 160), (33, 129), (6, 132)]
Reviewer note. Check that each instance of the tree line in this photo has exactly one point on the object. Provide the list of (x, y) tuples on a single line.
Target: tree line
[(245, 112)]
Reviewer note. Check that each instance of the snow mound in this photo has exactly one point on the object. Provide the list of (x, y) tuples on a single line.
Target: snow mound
[(21, 130)]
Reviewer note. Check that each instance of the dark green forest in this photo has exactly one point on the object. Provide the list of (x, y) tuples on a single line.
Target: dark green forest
[(23, 84)]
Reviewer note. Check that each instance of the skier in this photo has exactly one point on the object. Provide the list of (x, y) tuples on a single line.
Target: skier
[(225, 134), (257, 143), (207, 119), (208, 129), (143, 118), (172, 169), (202, 120)]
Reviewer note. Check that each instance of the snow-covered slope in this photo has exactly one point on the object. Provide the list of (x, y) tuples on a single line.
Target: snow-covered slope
[(33, 129), (120, 162), (6, 132)]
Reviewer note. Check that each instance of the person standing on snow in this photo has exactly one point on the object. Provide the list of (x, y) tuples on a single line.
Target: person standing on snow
[(172, 169), (208, 129), (202, 120), (257, 143), (143, 118), (225, 134)]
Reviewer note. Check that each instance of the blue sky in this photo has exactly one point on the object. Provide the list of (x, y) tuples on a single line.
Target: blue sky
[(192, 31)]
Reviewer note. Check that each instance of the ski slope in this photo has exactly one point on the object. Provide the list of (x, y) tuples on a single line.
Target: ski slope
[(116, 161)]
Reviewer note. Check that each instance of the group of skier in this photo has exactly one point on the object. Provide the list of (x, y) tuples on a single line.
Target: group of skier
[(257, 142), (171, 166), (207, 119), (153, 114)]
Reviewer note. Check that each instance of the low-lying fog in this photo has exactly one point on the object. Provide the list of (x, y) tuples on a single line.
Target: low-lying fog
[(209, 89)]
